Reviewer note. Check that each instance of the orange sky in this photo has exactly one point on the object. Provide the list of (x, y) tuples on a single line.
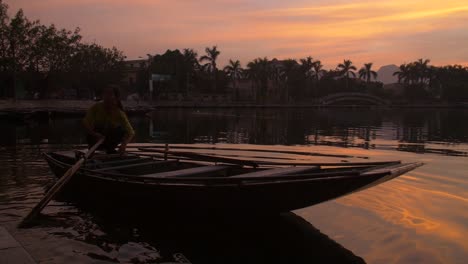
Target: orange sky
[(382, 32)]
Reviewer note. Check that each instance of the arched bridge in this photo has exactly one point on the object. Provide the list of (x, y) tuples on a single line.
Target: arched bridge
[(354, 98)]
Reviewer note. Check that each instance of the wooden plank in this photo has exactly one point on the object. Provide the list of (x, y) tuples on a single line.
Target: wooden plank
[(123, 161), (254, 160), (329, 164), (233, 180), (163, 162), (396, 169), (146, 146), (11, 252), (188, 172), (277, 172), (201, 157)]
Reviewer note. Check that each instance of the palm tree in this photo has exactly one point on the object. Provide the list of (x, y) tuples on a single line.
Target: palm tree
[(288, 69), (366, 73), (307, 65), (191, 64), (346, 68), (318, 70), (234, 71), (421, 69), (276, 74), (403, 73), (258, 70), (211, 56)]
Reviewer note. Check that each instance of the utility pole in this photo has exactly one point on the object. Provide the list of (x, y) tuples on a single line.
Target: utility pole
[(151, 90), (14, 73)]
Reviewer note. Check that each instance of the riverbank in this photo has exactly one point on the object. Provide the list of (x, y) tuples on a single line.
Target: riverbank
[(131, 107), (62, 106), (12, 251)]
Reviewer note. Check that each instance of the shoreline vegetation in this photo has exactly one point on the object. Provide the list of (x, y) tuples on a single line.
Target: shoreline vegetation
[(79, 107), (44, 62)]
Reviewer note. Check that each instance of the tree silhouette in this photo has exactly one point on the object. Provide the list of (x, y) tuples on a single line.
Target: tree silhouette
[(421, 70), (211, 57), (403, 74), (318, 71), (234, 71), (258, 71), (290, 66), (366, 73), (44, 58), (191, 66), (307, 65), (346, 68)]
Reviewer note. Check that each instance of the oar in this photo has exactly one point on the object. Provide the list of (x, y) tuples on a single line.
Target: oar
[(59, 185), (201, 157)]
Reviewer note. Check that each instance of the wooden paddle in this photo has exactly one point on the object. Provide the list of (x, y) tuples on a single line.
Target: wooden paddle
[(58, 185)]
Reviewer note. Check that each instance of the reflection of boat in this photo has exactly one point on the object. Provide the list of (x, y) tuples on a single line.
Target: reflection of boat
[(186, 180)]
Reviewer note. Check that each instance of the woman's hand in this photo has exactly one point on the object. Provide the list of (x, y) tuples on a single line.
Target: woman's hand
[(122, 148)]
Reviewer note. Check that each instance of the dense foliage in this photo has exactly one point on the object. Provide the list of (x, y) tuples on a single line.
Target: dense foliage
[(39, 59)]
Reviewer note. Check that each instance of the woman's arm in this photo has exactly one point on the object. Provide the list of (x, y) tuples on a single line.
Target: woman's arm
[(90, 129), (88, 122)]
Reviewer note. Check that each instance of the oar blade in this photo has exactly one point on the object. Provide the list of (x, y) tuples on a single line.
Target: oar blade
[(57, 187)]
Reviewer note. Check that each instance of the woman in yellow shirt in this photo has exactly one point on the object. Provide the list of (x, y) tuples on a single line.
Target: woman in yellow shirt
[(107, 119)]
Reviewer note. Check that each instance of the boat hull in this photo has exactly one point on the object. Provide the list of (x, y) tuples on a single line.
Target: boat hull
[(273, 196)]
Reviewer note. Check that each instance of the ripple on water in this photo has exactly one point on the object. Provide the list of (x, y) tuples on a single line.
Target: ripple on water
[(421, 216)]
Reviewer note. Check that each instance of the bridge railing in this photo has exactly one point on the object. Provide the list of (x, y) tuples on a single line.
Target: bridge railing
[(352, 96)]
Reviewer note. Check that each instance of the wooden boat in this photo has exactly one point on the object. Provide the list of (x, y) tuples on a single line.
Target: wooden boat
[(179, 181)]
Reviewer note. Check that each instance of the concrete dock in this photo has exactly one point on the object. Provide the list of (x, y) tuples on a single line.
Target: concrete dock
[(12, 252)]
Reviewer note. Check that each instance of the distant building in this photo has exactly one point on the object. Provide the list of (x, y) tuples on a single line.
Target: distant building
[(132, 67)]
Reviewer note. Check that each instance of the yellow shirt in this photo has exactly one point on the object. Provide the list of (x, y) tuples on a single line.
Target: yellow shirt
[(98, 116)]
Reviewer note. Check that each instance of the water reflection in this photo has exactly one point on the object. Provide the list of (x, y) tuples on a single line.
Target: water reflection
[(419, 131), (414, 131), (81, 231), (418, 218)]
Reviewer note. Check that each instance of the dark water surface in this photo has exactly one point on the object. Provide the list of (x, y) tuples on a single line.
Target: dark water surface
[(421, 217)]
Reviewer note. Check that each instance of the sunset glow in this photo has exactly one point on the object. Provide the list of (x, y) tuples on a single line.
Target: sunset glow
[(383, 32)]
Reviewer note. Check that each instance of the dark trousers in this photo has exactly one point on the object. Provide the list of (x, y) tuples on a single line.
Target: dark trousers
[(114, 137)]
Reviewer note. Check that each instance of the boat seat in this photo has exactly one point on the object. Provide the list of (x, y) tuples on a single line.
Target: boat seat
[(197, 171), (277, 172), (158, 163)]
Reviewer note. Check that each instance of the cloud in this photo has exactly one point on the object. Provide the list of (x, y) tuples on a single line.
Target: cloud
[(384, 32)]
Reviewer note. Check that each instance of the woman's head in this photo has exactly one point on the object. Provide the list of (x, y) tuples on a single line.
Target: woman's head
[(111, 96)]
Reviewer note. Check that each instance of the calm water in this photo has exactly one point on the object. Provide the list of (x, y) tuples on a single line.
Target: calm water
[(420, 217)]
